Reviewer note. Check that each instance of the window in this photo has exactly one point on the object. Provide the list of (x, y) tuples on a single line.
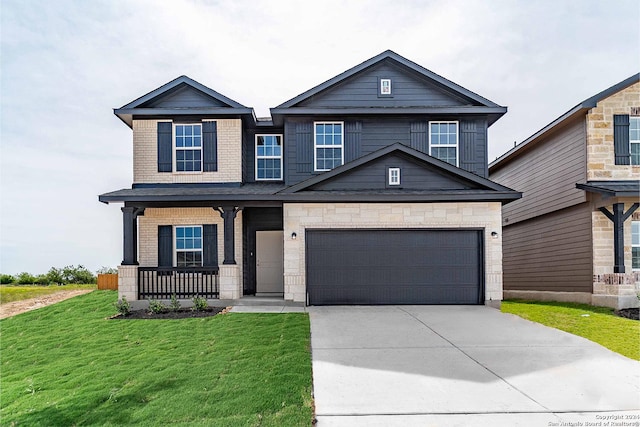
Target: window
[(634, 140), (268, 157), (443, 141), (635, 245), (394, 176), (189, 246), (385, 86), (188, 145), (328, 142)]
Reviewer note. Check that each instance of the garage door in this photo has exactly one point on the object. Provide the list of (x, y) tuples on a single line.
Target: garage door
[(394, 267)]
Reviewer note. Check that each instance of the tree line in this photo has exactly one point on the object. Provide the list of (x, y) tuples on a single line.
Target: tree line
[(57, 276)]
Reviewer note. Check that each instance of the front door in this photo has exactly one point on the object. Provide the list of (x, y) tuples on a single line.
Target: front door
[(270, 263)]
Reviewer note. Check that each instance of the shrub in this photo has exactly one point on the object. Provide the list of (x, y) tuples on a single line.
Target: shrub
[(175, 304), (79, 274), (42, 279), (123, 306), (6, 279), (157, 307), (107, 270), (25, 278), (199, 303)]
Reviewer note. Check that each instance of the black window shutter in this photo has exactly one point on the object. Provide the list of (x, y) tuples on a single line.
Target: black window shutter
[(304, 147), (352, 140), (621, 139), (210, 245), (418, 136), (165, 246), (209, 147), (165, 149)]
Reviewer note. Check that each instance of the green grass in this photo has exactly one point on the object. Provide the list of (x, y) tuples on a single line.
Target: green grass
[(601, 325), (10, 293), (66, 364)]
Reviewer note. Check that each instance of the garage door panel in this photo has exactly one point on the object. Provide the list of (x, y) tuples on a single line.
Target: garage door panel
[(394, 267)]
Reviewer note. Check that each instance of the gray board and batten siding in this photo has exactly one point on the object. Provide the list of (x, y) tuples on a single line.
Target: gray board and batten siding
[(364, 135)]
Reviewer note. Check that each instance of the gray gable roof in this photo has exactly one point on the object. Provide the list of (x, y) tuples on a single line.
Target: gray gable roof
[(207, 101), (455, 173), (388, 54), (580, 109)]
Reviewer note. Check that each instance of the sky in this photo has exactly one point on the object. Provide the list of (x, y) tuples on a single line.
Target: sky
[(64, 66)]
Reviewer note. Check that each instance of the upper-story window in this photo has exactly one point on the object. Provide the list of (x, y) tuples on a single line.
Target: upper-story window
[(188, 146), (443, 141), (328, 145), (189, 246), (394, 176), (634, 140), (268, 157)]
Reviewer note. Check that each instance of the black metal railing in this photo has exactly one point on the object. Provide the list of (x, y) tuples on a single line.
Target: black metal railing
[(183, 282)]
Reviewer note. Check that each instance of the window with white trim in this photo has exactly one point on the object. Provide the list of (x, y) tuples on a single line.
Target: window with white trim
[(328, 142), (188, 147), (635, 245), (394, 176), (268, 157), (443, 141), (634, 140), (188, 246)]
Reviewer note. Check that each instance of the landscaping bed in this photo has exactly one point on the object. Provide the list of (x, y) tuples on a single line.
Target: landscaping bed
[(629, 313), (183, 313)]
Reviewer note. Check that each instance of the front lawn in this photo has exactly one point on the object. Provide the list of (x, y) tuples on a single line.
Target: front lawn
[(598, 324), (10, 293), (66, 364)]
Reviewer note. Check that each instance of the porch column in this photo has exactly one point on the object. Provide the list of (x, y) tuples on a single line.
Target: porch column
[(130, 234), (618, 217), (228, 214)]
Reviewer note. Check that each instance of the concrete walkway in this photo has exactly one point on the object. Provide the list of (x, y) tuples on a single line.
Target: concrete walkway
[(459, 366)]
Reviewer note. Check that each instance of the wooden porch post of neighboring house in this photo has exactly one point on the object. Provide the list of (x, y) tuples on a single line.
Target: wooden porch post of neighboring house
[(130, 234), (228, 214), (619, 216)]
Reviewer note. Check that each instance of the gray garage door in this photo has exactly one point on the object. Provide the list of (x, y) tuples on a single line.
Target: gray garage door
[(394, 267)]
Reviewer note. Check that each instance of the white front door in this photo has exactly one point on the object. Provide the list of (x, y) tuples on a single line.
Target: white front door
[(269, 263)]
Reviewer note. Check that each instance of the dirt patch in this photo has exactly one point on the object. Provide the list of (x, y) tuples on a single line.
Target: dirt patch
[(183, 313), (629, 313), (16, 307)]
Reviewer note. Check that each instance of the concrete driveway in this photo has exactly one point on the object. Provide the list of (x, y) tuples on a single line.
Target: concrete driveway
[(462, 365)]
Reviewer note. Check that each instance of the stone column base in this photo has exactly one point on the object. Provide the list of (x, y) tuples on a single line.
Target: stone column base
[(230, 282), (128, 282), (616, 290)]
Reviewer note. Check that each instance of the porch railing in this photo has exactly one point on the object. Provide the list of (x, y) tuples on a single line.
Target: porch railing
[(183, 282)]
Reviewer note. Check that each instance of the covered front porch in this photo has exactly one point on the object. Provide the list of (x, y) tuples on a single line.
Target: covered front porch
[(189, 241)]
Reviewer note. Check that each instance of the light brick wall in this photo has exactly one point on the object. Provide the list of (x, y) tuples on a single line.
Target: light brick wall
[(145, 155), (600, 149), (152, 218), (299, 217)]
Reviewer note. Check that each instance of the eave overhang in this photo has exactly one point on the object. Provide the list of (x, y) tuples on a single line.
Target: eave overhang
[(613, 188)]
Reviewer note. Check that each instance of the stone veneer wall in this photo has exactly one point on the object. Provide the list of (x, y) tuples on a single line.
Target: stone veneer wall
[(617, 290), (145, 155), (299, 217), (230, 275), (600, 151)]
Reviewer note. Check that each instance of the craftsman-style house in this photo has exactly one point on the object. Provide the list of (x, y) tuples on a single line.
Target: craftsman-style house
[(575, 234), (370, 188)]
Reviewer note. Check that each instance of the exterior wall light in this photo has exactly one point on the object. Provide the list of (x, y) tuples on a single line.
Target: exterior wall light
[(294, 236), (494, 234)]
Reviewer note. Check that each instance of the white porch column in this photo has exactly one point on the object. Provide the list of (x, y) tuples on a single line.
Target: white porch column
[(230, 282)]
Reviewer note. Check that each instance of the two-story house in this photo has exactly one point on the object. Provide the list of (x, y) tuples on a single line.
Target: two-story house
[(370, 188), (575, 234)]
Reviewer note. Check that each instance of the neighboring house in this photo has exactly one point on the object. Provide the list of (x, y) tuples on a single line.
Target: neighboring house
[(370, 188), (575, 234)]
